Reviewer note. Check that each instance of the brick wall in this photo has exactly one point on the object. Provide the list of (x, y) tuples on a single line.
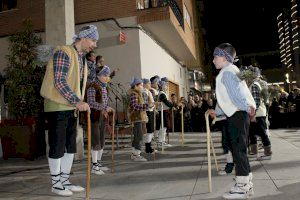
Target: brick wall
[(85, 11), (11, 20)]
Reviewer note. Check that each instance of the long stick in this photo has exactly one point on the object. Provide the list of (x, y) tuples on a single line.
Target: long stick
[(173, 126), (88, 172), (113, 143), (214, 153), (182, 127), (208, 140), (162, 127), (154, 116)]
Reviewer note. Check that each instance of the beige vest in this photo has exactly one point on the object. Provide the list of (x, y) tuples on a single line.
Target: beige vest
[(54, 101)]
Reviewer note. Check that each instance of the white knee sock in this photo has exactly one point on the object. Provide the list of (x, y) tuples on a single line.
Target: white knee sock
[(229, 157), (94, 156), (66, 165), (100, 152), (54, 166)]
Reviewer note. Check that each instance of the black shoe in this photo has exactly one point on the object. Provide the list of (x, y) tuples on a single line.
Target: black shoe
[(229, 167), (148, 148)]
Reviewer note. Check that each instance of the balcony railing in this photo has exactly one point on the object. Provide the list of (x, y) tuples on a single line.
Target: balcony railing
[(148, 4)]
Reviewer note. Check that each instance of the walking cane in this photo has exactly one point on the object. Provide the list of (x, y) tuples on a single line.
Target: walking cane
[(210, 144), (113, 143), (154, 125), (182, 127), (213, 148), (208, 151), (173, 122), (162, 127), (88, 172)]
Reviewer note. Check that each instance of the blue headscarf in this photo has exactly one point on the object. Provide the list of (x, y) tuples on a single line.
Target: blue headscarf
[(90, 32), (162, 84), (222, 53), (135, 81), (165, 79), (105, 71), (146, 81)]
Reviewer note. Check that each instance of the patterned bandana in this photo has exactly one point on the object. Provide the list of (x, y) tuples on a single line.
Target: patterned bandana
[(154, 79), (222, 53), (162, 84), (105, 71), (146, 81), (90, 32), (135, 81)]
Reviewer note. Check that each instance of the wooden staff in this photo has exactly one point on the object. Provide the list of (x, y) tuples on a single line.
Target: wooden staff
[(113, 143), (182, 127), (154, 124), (173, 121), (214, 153), (162, 127), (88, 172), (208, 141)]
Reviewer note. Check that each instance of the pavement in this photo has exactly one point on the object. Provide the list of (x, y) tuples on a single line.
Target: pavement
[(180, 173)]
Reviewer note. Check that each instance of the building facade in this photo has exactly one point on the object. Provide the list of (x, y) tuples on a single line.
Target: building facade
[(289, 40), (158, 36)]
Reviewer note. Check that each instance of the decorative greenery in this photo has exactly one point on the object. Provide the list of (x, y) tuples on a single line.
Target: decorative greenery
[(24, 76), (251, 74), (247, 74)]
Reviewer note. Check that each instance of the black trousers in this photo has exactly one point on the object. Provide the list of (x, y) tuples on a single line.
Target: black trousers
[(98, 133), (259, 128), (238, 129), (138, 134), (166, 119), (226, 145), (62, 133), (150, 123)]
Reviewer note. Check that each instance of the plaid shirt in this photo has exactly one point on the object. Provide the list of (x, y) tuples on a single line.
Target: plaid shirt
[(255, 90), (61, 65), (135, 105), (91, 98), (92, 70)]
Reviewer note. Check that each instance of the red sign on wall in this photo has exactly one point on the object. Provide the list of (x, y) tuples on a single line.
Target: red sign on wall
[(122, 37)]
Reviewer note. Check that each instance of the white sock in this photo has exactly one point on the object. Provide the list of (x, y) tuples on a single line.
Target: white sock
[(66, 165), (94, 156), (54, 166), (100, 153), (229, 158)]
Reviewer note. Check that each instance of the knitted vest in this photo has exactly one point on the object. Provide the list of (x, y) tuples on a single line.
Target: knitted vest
[(54, 101), (223, 98), (261, 110), (137, 115)]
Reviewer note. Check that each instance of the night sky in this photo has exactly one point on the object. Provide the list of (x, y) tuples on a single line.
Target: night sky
[(250, 26)]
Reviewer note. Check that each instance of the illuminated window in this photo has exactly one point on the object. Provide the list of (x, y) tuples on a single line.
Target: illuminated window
[(7, 5)]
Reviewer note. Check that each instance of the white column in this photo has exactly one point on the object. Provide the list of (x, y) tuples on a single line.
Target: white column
[(60, 29), (59, 21)]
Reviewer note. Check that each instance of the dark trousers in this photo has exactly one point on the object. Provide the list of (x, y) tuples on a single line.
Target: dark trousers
[(62, 133), (138, 133), (226, 145), (150, 123), (238, 129), (98, 133), (166, 119), (259, 128)]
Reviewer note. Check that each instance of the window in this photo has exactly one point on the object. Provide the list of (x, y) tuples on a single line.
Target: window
[(187, 16), (7, 5)]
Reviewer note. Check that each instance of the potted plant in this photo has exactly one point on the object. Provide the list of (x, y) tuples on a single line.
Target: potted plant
[(19, 135)]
